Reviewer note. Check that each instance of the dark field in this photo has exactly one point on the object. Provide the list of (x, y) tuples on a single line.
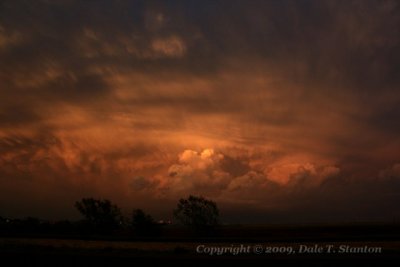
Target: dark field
[(178, 245)]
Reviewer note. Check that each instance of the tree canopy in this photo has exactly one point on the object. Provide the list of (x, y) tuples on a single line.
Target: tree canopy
[(197, 212), (101, 214), (144, 224)]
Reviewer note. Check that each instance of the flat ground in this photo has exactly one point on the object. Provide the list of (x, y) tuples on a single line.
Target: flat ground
[(269, 245)]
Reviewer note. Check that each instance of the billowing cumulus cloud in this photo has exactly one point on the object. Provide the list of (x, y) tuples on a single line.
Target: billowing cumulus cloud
[(286, 105), (199, 172), (237, 180)]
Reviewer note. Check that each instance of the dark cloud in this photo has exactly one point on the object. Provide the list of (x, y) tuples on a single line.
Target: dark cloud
[(265, 102), (233, 166), (17, 115)]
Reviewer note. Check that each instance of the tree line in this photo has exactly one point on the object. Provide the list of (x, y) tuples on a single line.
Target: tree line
[(101, 216)]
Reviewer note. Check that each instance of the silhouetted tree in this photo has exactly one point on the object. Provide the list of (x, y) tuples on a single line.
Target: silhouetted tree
[(144, 224), (100, 214), (197, 212)]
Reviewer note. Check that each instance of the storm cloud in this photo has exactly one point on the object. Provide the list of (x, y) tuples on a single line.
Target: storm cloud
[(280, 105)]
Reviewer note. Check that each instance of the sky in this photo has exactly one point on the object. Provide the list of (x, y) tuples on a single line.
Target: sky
[(280, 111)]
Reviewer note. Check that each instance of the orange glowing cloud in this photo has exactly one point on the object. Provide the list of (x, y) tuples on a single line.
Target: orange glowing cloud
[(262, 104)]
